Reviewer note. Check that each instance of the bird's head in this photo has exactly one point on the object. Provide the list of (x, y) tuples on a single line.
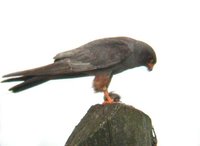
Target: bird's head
[(147, 55), (150, 64)]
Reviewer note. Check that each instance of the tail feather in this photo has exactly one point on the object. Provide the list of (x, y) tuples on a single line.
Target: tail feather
[(28, 83), (51, 69), (36, 76), (24, 78)]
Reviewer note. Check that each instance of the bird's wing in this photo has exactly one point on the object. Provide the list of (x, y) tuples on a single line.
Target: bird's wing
[(98, 54)]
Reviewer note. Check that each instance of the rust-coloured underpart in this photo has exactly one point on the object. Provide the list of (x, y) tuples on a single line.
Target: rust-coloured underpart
[(101, 82)]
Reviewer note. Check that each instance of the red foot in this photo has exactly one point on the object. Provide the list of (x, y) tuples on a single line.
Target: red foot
[(108, 100)]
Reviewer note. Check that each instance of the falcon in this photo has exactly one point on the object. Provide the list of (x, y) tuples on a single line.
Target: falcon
[(101, 58)]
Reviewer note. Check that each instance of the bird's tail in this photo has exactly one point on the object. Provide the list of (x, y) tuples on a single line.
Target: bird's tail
[(32, 77), (28, 82), (36, 76)]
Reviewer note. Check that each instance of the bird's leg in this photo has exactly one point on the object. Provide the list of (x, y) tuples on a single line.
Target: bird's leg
[(108, 100), (101, 83)]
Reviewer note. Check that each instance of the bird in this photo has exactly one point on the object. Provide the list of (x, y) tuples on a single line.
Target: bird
[(101, 58)]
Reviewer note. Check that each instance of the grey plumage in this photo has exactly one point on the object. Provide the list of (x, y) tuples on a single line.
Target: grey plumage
[(111, 55)]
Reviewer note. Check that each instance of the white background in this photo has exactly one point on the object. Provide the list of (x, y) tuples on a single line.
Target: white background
[(33, 32)]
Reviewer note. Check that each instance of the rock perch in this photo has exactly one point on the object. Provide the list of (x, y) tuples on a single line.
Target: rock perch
[(113, 125)]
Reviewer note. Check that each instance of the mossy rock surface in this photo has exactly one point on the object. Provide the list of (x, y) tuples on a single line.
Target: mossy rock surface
[(112, 125)]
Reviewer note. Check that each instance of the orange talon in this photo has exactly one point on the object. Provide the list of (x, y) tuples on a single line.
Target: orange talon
[(108, 100)]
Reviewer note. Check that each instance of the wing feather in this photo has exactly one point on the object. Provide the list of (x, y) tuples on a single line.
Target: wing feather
[(97, 54)]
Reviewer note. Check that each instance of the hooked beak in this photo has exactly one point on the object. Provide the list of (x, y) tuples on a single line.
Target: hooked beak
[(150, 66)]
